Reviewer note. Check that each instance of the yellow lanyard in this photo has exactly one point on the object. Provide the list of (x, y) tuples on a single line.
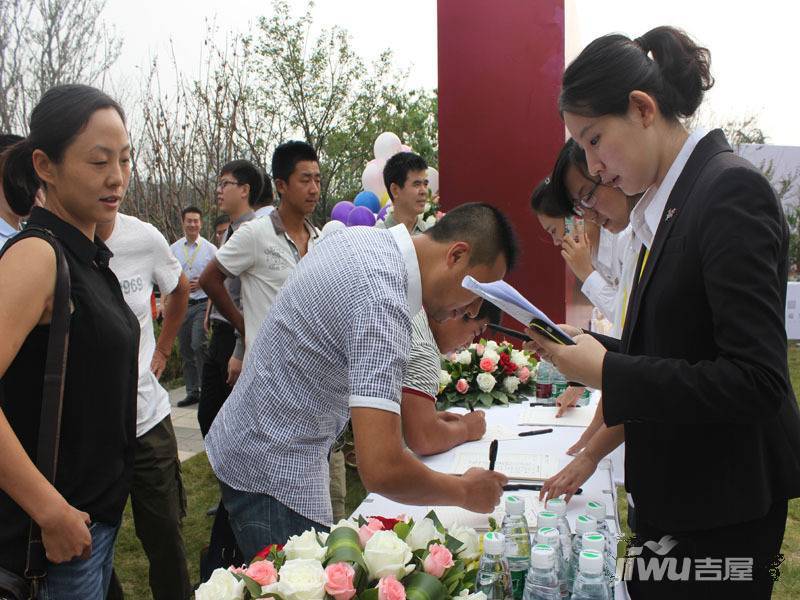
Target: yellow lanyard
[(625, 293), (189, 261)]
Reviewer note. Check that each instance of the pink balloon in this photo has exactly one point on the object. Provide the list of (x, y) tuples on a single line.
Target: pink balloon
[(404, 148), (372, 177)]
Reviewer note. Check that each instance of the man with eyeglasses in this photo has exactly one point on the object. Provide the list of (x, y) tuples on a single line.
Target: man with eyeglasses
[(239, 186)]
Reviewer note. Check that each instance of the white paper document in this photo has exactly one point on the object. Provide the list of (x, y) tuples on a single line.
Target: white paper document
[(454, 515), (509, 300), (515, 465), (500, 432), (579, 416)]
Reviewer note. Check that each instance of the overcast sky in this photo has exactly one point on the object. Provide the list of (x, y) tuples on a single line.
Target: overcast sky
[(754, 61)]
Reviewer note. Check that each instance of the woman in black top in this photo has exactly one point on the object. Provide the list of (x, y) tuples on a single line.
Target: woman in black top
[(78, 150)]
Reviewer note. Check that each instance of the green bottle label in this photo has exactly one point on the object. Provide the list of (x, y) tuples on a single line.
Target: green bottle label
[(518, 584)]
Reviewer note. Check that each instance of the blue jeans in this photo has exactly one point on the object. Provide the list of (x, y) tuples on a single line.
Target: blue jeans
[(259, 520), (85, 579)]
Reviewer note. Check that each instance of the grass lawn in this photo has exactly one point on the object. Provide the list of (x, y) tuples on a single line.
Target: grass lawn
[(202, 492)]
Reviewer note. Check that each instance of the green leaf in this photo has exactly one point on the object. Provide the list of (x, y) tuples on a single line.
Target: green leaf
[(343, 546), (361, 521), (402, 529), (346, 554), (493, 524), (485, 399), (370, 594), (451, 543), (436, 522), (421, 586), (253, 587)]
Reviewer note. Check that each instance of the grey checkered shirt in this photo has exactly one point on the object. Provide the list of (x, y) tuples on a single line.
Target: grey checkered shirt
[(338, 336)]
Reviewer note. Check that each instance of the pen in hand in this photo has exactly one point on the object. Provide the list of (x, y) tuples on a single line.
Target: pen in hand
[(492, 454)]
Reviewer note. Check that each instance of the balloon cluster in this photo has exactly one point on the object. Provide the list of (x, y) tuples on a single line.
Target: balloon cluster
[(371, 204)]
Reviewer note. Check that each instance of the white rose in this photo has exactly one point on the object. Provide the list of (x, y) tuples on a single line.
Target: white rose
[(464, 357), (349, 523), (423, 532), (300, 579), (470, 548), (519, 359), (386, 554), (491, 345), (221, 586), (491, 354), (486, 382), (465, 595), (430, 221), (304, 546), (444, 378), (510, 384)]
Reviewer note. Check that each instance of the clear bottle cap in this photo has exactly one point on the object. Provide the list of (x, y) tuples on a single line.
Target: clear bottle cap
[(494, 542), (546, 518), (515, 505), (595, 541), (543, 556), (547, 535), (557, 505), (590, 562), (596, 509), (584, 524)]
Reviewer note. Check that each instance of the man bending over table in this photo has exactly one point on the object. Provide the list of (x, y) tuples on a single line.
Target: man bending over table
[(335, 346)]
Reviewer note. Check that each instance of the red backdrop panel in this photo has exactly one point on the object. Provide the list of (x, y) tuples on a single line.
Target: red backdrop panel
[(500, 66)]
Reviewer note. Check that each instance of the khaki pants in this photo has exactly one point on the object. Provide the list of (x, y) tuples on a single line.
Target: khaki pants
[(338, 477)]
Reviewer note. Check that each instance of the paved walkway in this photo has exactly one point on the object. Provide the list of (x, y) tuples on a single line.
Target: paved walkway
[(184, 420)]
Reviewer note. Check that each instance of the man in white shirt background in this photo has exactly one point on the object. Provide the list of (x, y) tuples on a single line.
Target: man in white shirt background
[(142, 258), (193, 252), (406, 178)]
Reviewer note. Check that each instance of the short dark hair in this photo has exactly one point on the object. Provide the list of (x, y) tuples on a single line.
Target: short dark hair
[(266, 198), (56, 120), (398, 167), (489, 312), (223, 219), (487, 230), (664, 63), (191, 209), (245, 172), (287, 155), (570, 155), (9, 139)]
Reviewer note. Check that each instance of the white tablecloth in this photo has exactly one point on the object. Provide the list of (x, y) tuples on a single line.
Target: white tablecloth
[(600, 486)]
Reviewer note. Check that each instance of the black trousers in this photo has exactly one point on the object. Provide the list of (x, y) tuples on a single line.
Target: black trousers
[(214, 390), (713, 563)]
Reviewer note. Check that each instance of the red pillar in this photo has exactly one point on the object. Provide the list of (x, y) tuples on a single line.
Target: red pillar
[(500, 67)]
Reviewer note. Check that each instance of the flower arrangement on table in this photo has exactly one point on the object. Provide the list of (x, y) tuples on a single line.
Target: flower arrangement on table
[(374, 559), (484, 374)]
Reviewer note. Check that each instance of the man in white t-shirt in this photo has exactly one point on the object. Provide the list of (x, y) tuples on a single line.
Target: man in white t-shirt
[(142, 258)]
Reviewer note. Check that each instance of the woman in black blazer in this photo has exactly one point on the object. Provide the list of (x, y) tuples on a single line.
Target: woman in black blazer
[(698, 386)]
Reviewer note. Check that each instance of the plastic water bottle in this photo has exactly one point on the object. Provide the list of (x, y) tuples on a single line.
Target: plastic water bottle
[(559, 383), (590, 584), (583, 524), (542, 580), (597, 509), (558, 506), (544, 382), (596, 542), (551, 537), (493, 577), (518, 543)]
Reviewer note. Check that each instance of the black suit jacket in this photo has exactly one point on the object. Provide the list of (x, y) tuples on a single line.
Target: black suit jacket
[(700, 377)]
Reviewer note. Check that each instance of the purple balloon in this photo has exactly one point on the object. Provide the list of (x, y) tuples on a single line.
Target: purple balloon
[(383, 211), (361, 215), (341, 210)]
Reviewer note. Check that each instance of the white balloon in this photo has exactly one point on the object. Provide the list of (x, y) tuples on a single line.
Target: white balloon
[(387, 145), (332, 226), (372, 177), (433, 180)]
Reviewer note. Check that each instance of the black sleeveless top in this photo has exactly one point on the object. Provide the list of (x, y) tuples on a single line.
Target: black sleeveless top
[(98, 424)]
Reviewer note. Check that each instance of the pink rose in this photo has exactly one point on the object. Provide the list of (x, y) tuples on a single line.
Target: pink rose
[(487, 365), (237, 570), (439, 214), (524, 374), (262, 572), (339, 581), (479, 349), (365, 532), (462, 386), (438, 561), (391, 589)]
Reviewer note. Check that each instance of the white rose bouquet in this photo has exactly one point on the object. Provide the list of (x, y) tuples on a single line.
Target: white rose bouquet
[(361, 559)]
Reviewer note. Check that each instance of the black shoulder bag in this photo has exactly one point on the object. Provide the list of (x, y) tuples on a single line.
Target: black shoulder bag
[(12, 586)]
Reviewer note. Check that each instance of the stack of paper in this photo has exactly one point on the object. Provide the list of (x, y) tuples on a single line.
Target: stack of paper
[(521, 466)]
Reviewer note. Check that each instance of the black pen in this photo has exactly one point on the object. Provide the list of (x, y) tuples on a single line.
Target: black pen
[(535, 432), (534, 487), (532, 404), (492, 454), (471, 406)]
